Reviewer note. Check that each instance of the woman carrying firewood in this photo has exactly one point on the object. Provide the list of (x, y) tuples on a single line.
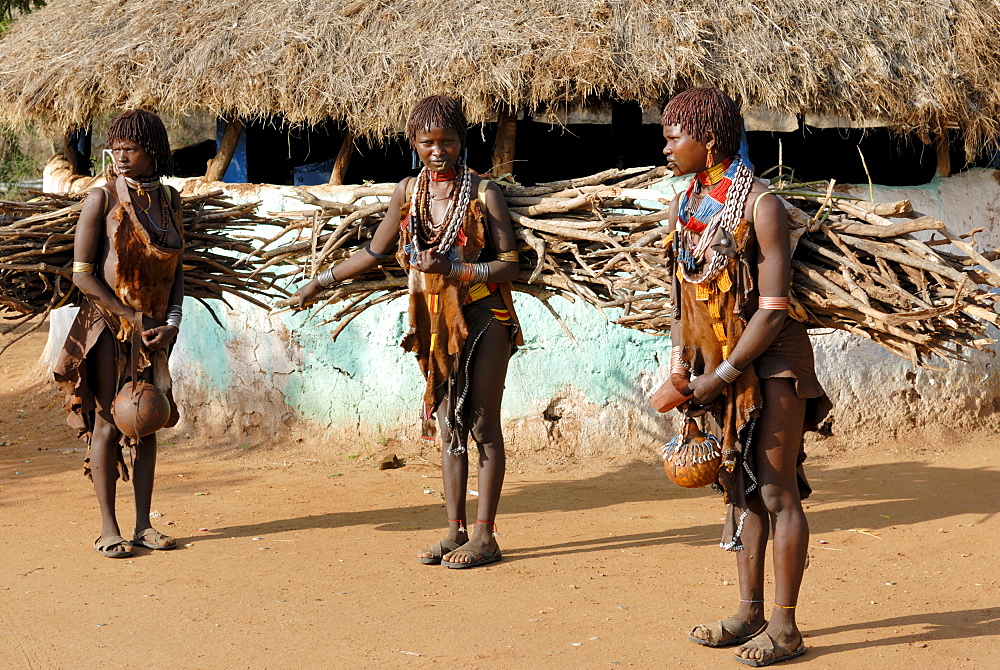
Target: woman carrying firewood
[(127, 263), (457, 245), (745, 365)]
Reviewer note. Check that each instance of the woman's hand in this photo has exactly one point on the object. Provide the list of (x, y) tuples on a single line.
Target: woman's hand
[(432, 262), (307, 292), (158, 337), (706, 388)]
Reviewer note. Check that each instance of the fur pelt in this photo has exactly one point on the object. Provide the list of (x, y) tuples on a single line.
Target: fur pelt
[(437, 327)]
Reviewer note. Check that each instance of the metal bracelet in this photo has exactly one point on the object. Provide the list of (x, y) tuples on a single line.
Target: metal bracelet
[(83, 268), (368, 248), (481, 272), (326, 278), (778, 303), (508, 256), (727, 373), (455, 271), (677, 364), (174, 316)]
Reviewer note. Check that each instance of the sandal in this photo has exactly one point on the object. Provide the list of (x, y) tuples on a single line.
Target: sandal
[(477, 559), (159, 541), (773, 652), (438, 551), (113, 546), (726, 633)]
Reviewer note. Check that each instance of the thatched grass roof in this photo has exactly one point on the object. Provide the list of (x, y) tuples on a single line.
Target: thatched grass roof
[(922, 66)]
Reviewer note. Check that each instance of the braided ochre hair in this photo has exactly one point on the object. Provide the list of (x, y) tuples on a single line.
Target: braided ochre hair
[(699, 111), (146, 129), (440, 111)]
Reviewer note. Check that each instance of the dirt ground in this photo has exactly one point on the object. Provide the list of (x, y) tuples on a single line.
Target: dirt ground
[(298, 555)]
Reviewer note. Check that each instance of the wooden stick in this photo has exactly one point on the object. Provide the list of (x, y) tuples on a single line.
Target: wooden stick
[(218, 165), (343, 159)]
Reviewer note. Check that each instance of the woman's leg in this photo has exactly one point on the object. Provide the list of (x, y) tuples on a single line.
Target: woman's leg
[(455, 475), (143, 469), (103, 380), (749, 616), (489, 371), (776, 450), (750, 564)]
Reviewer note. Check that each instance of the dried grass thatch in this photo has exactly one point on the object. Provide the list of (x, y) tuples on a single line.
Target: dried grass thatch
[(921, 66)]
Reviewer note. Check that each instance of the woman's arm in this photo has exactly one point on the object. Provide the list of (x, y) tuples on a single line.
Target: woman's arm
[(773, 275), (673, 392), (90, 232), (675, 325), (501, 232), (161, 336), (774, 267), (383, 242)]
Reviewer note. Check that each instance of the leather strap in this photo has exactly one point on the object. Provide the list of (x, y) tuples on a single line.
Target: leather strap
[(107, 198), (136, 343)]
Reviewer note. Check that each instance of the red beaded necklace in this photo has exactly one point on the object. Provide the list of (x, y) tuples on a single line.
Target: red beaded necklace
[(446, 175), (711, 203)]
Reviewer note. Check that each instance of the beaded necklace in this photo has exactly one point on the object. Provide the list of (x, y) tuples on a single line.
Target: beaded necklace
[(711, 204), (143, 187), (721, 207), (427, 233), (446, 175), (160, 230)]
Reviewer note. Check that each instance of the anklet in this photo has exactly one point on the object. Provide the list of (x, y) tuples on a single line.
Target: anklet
[(784, 607), (488, 523), (461, 524), (751, 601)]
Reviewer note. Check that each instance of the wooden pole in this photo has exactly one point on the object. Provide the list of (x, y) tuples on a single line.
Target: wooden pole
[(943, 154), (343, 159), (218, 165), (503, 148), (69, 153)]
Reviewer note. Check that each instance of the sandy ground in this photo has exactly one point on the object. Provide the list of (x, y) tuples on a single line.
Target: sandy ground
[(303, 556)]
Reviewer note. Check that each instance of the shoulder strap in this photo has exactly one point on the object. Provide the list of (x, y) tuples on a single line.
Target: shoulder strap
[(176, 216), (168, 196), (408, 191), (756, 202)]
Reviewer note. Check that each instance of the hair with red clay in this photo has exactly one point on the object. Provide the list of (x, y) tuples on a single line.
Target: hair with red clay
[(438, 111), (147, 130), (699, 111)]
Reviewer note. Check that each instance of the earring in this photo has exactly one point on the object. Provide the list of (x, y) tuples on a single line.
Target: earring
[(416, 160), (709, 158), (463, 156)]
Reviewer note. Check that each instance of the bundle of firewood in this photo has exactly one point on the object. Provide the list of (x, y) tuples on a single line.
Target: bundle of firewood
[(589, 238), (858, 266), (890, 274), (36, 254)]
